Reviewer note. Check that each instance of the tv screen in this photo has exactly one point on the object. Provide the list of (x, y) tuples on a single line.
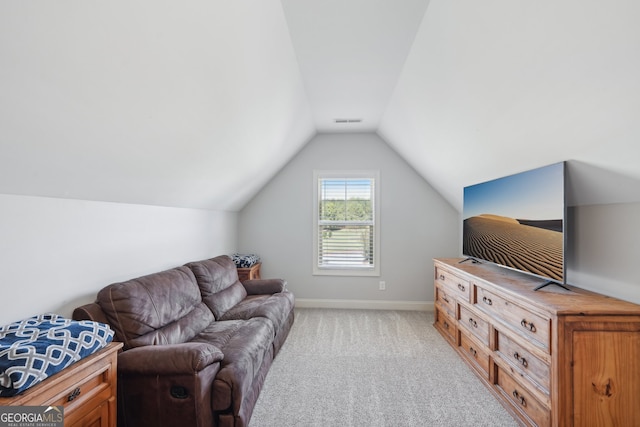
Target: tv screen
[(518, 222)]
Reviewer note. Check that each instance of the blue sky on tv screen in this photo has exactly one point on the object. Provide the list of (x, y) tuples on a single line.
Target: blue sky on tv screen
[(537, 195)]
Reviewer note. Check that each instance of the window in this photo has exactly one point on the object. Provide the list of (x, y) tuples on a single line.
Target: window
[(346, 230)]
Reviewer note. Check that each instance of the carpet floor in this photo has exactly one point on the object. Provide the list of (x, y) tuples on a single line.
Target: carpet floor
[(372, 368)]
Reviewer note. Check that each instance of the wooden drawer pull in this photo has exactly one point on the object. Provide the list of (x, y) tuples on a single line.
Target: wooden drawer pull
[(462, 288), (520, 359), (441, 277), (445, 299), (487, 301), (473, 323), (445, 324), (473, 351), (519, 398), (75, 393), (528, 325)]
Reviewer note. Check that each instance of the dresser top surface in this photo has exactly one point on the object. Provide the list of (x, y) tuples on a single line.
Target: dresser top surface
[(551, 298)]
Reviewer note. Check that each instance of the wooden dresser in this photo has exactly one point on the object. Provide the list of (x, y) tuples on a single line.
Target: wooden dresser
[(552, 357), (86, 390)]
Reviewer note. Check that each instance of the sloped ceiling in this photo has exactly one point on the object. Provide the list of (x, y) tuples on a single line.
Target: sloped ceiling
[(351, 54), (177, 103), (496, 87), (199, 103)]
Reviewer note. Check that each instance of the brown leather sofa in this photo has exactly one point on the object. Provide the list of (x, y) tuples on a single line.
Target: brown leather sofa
[(198, 343)]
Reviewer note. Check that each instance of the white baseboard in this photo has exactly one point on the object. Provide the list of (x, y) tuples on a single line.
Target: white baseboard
[(365, 304)]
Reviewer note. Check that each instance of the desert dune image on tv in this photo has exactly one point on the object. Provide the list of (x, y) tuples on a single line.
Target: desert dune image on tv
[(517, 221)]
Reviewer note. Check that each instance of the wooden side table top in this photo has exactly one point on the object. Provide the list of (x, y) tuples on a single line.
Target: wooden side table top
[(249, 273)]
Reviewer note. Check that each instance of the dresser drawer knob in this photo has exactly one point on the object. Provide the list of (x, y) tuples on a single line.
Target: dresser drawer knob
[(528, 325), (461, 287), (473, 323), (521, 359), (75, 393), (445, 299), (473, 351), (519, 398), (441, 277), (445, 324), (487, 301)]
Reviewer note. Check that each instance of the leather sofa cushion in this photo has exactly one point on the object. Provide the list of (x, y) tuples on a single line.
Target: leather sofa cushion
[(246, 345), (276, 308), (219, 285), (264, 286), (160, 308)]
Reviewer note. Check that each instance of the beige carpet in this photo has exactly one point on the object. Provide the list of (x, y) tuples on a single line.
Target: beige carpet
[(372, 368)]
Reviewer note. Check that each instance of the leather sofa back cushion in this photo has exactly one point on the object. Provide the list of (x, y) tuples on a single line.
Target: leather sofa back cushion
[(219, 284), (161, 308)]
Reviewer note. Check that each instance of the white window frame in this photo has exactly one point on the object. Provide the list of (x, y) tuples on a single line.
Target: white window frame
[(347, 270)]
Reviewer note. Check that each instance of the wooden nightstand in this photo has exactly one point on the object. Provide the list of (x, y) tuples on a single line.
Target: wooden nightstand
[(248, 273), (86, 389)]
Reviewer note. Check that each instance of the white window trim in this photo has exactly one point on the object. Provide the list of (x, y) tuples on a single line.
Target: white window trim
[(347, 271)]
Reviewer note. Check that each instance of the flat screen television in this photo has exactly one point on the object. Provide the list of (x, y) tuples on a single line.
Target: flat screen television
[(518, 222)]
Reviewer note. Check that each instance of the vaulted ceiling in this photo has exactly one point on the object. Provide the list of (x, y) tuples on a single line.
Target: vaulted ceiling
[(199, 103)]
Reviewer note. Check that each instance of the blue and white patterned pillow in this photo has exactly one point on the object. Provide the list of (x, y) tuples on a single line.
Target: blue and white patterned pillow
[(38, 347), (245, 261)]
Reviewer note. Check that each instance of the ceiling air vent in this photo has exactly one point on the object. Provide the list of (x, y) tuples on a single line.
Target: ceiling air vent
[(347, 120)]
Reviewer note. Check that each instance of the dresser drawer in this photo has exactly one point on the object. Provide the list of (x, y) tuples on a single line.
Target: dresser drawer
[(528, 366), (534, 327), (476, 353), (557, 358), (86, 390), (85, 386), (474, 323), (522, 399), (96, 417), (457, 286), (445, 300), (446, 324)]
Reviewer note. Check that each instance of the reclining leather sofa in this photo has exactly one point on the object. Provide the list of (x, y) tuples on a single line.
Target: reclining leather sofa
[(198, 343)]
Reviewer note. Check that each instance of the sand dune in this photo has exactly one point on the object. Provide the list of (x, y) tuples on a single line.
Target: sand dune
[(505, 241)]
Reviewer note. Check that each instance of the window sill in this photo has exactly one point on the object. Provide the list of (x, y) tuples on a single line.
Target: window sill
[(368, 272)]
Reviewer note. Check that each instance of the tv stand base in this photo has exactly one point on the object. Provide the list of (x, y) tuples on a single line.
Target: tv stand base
[(550, 283)]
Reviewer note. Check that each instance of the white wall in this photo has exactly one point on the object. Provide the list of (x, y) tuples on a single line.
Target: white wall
[(496, 87), (55, 254), (603, 248), (417, 224), (141, 102)]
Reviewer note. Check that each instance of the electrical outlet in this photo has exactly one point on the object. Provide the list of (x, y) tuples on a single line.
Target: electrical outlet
[(383, 285)]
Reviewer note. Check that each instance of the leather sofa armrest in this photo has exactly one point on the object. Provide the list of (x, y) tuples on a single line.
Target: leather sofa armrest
[(91, 311), (167, 385), (169, 359), (264, 286)]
